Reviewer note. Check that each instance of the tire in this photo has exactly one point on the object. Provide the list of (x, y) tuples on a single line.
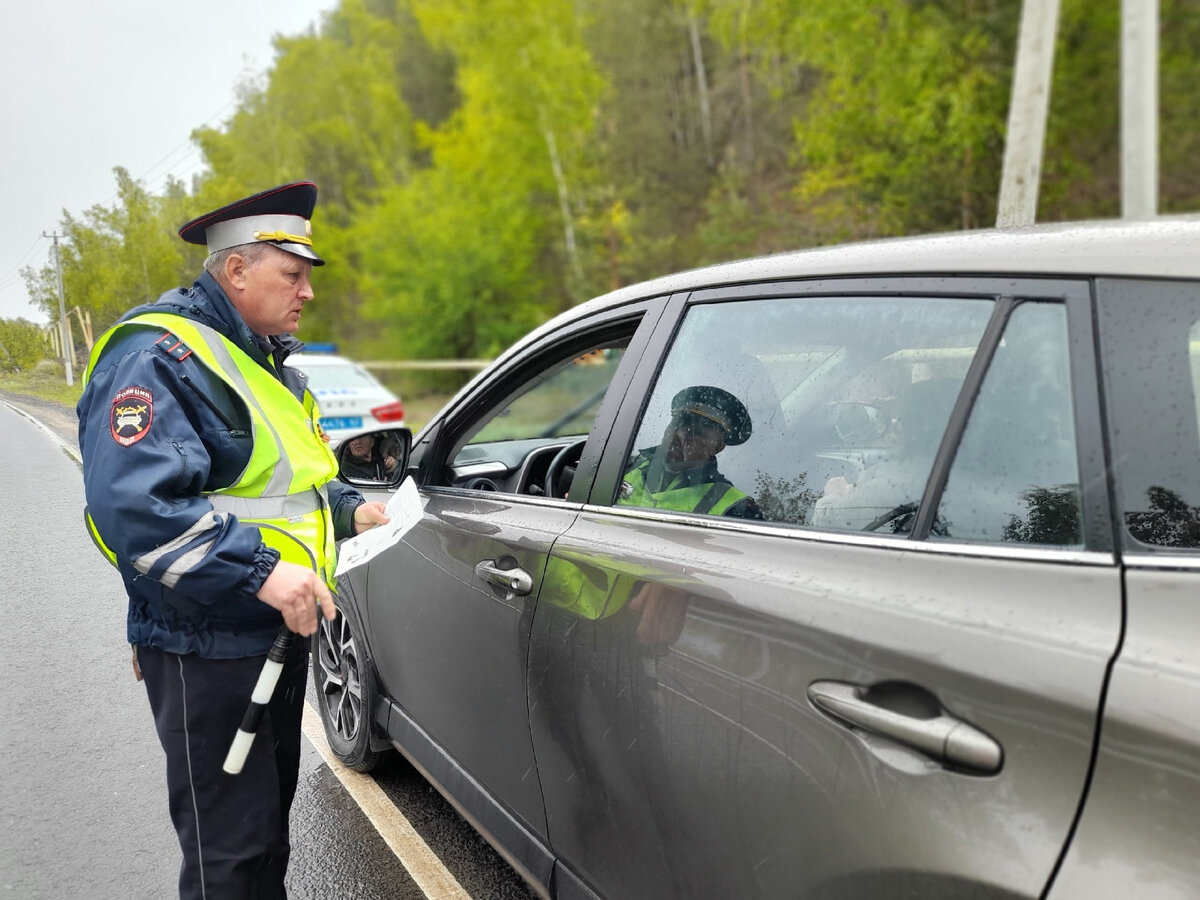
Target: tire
[(347, 691)]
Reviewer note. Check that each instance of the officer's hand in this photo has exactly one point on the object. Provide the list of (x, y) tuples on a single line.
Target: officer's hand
[(297, 592), (661, 612), (368, 515)]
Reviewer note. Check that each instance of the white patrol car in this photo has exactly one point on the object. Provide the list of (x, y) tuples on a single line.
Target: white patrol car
[(350, 398)]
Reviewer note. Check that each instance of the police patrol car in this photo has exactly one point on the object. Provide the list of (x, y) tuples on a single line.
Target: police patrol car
[(350, 398)]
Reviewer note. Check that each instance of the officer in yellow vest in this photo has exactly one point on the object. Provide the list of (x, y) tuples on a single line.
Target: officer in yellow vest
[(211, 488), (681, 472)]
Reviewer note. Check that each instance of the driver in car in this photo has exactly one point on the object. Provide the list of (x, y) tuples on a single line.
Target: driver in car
[(681, 473), (366, 458)]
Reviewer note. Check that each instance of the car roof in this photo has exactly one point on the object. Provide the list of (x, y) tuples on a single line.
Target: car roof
[(1165, 247), (1162, 247)]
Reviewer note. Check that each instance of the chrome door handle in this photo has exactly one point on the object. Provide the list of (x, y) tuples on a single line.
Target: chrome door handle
[(942, 737), (515, 580)]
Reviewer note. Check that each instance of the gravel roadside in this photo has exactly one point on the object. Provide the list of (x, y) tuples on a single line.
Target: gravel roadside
[(57, 417)]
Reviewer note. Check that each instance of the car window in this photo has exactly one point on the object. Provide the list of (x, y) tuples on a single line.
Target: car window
[(529, 436), (1150, 341), (1015, 475), (560, 401), (814, 411)]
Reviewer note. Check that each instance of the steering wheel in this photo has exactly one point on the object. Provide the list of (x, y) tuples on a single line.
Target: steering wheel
[(562, 469)]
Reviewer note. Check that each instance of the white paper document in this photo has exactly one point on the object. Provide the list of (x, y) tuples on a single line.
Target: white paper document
[(404, 510)]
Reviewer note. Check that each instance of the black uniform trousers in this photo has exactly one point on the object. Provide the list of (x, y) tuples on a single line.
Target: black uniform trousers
[(233, 829)]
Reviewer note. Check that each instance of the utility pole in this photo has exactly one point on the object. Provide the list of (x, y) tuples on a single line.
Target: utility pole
[(1027, 109), (1139, 109), (64, 324)]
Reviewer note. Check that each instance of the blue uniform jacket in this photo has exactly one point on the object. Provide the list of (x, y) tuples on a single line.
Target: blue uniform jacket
[(143, 485)]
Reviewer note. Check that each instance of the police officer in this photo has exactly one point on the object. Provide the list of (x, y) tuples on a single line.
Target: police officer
[(681, 473), (210, 487)]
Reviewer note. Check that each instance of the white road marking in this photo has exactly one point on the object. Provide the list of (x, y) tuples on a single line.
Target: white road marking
[(433, 878), (414, 854), (68, 448)]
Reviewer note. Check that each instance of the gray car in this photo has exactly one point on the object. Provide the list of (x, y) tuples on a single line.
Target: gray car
[(866, 571)]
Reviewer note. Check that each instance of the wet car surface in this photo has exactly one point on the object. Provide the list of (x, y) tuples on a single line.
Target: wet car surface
[(863, 571)]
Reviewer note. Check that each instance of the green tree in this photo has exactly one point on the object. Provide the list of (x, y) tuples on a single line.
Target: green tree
[(21, 345), (115, 257), (904, 130), (331, 111), (1179, 103), (484, 164), (483, 244), (692, 145), (1081, 160)]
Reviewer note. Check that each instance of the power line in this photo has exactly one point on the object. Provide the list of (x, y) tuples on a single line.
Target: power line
[(8, 278), (184, 144), (180, 171), (188, 144), (191, 161)]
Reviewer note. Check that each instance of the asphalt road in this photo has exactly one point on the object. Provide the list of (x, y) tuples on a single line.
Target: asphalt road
[(82, 787)]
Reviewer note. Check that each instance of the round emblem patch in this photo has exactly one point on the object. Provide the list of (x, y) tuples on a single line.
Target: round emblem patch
[(132, 413)]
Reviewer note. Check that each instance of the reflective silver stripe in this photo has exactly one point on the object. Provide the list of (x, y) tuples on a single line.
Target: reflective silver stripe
[(281, 476), (285, 507), (187, 561)]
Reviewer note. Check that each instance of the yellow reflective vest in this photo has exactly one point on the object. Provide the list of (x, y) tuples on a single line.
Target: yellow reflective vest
[(708, 498), (282, 488)]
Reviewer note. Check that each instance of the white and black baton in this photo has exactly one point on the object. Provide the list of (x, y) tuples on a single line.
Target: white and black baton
[(263, 690)]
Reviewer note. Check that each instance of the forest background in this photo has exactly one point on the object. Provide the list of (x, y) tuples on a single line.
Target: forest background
[(485, 164)]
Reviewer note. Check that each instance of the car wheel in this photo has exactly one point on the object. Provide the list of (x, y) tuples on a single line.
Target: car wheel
[(346, 691)]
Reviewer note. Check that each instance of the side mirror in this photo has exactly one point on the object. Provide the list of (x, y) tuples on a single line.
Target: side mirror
[(375, 459)]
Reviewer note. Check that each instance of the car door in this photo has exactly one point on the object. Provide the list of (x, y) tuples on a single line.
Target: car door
[(1138, 834), (450, 606), (888, 684)]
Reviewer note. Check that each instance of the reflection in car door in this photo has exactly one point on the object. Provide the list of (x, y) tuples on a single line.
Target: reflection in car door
[(755, 711), (451, 607), (454, 635)]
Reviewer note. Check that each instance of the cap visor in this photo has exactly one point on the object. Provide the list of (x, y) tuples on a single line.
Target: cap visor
[(302, 250)]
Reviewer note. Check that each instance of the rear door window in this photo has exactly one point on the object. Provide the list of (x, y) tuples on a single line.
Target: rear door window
[(1150, 343), (1015, 475)]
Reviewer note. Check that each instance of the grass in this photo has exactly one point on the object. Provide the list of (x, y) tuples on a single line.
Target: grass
[(46, 381)]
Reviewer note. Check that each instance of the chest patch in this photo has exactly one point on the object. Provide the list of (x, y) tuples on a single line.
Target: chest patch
[(131, 415)]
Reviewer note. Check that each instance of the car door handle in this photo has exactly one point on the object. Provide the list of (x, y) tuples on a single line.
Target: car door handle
[(515, 580), (943, 737)]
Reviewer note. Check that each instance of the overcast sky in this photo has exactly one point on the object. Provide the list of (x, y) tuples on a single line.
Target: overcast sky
[(88, 85)]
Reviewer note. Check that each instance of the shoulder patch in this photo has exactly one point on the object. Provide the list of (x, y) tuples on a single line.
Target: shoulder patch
[(131, 414), (173, 346)]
